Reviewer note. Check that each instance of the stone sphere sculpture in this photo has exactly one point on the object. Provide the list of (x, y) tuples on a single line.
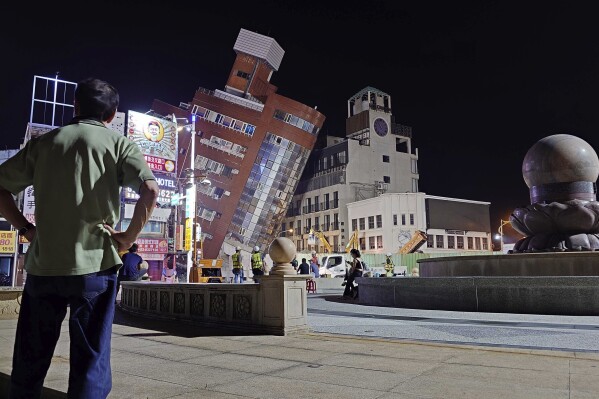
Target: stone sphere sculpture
[(561, 173), (282, 251)]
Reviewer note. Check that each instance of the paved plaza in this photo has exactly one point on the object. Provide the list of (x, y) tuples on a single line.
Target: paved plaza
[(354, 352)]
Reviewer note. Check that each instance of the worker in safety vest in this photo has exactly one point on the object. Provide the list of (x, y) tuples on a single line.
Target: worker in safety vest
[(257, 263), (389, 266), (237, 266)]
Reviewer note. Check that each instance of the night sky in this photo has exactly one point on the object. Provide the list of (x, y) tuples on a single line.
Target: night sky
[(478, 81)]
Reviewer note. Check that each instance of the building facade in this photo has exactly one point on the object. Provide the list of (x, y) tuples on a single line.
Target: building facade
[(375, 157), (252, 143), (387, 222)]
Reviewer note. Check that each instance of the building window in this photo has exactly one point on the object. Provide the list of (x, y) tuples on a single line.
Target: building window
[(430, 241), (477, 241), (244, 75), (460, 242), (362, 244), (414, 166), (379, 221), (371, 243), (295, 121), (371, 222), (451, 242), (316, 204), (342, 158), (387, 179), (327, 222), (379, 242), (414, 185), (403, 219), (354, 224), (470, 243), (386, 158), (326, 201), (298, 231), (440, 241), (308, 224), (362, 224), (485, 244), (411, 219), (394, 220), (316, 223), (335, 199)]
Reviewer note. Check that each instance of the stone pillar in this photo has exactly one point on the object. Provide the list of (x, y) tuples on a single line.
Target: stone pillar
[(284, 297)]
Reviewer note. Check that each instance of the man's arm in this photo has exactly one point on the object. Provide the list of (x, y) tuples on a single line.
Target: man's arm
[(9, 210), (148, 194)]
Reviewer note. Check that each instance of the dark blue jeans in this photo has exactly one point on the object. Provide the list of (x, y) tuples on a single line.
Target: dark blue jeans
[(43, 308)]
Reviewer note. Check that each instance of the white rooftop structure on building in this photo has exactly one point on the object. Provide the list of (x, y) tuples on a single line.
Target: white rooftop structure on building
[(263, 47)]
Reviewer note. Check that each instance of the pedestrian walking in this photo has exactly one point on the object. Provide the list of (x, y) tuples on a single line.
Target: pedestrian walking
[(355, 270), (76, 172)]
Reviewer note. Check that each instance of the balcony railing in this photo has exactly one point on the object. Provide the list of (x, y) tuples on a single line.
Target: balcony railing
[(334, 204), (401, 130), (335, 226)]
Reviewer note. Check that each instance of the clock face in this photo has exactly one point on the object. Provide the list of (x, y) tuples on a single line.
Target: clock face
[(404, 236), (380, 127)]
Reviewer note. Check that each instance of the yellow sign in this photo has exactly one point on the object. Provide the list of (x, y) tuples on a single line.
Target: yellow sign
[(8, 242), (188, 226)]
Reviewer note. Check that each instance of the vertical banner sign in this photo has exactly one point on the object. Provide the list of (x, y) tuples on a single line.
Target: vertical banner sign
[(156, 138), (29, 205), (188, 234), (8, 242)]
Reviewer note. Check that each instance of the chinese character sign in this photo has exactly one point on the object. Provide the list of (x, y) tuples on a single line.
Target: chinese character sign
[(156, 138), (8, 242), (152, 245), (29, 204), (167, 185)]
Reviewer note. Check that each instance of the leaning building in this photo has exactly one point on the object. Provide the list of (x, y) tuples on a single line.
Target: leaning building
[(252, 143)]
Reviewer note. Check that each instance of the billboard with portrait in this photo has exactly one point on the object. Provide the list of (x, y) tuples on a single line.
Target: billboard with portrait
[(156, 138)]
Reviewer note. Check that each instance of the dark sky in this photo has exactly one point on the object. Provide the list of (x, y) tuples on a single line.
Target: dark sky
[(478, 81)]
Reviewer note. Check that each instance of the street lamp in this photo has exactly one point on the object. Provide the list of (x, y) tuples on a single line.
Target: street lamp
[(190, 194), (500, 235), (285, 231)]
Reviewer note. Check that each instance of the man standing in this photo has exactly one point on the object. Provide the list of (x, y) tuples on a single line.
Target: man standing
[(304, 267), (76, 171), (132, 267), (237, 266), (257, 263)]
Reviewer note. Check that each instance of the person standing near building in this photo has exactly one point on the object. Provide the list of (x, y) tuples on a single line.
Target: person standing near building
[(76, 172), (314, 268), (257, 263), (237, 266), (304, 267), (389, 266)]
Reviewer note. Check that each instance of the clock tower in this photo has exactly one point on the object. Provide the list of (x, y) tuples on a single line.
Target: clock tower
[(384, 146)]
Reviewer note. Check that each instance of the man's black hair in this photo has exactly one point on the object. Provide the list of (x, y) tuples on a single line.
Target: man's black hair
[(133, 248), (96, 99), (303, 260)]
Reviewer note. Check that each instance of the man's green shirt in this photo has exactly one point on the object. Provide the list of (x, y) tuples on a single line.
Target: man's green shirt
[(76, 172)]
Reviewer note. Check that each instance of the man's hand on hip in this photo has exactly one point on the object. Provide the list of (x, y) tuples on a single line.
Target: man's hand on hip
[(123, 240)]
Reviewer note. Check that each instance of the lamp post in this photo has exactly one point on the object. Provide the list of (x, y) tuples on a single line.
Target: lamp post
[(500, 235), (284, 231)]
